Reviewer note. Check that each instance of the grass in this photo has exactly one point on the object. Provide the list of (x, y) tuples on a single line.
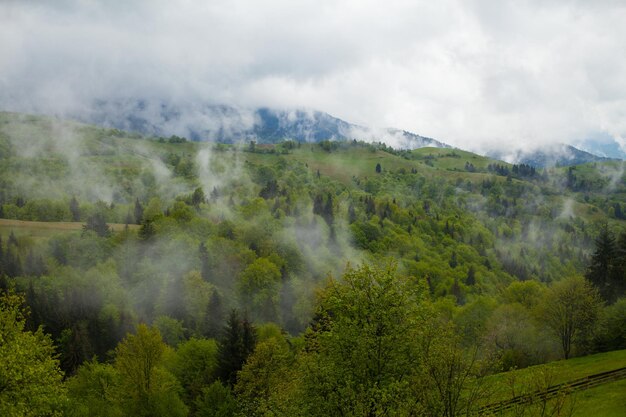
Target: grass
[(608, 400), (46, 229)]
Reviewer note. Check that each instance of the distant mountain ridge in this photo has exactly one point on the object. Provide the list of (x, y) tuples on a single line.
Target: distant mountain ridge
[(228, 124), (549, 156)]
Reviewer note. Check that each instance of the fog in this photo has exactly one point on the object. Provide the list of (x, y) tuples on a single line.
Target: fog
[(474, 74)]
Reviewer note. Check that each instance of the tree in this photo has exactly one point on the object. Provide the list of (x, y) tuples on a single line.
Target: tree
[(378, 168), (94, 391), (235, 345), (264, 385), (569, 309), (147, 388), (194, 366), (74, 210), (362, 351), (198, 197), (30, 377), (470, 279), (97, 223), (216, 400), (147, 230), (259, 288), (601, 268), (138, 212)]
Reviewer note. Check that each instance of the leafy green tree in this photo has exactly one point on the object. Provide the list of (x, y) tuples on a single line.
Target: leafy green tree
[(216, 400), (363, 353), (259, 288), (147, 388), (94, 391), (194, 365), (570, 309), (266, 381), (30, 378)]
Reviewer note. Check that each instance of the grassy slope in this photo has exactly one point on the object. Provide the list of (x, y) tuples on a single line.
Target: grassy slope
[(46, 229), (608, 400)]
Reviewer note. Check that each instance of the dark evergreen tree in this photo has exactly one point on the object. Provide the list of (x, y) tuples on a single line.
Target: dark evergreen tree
[(147, 230), (12, 240), (97, 224), (351, 213), (471, 276), (270, 190), (235, 345), (214, 316), (1, 258), (34, 265), (327, 211), (138, 212), (378, 168), (453, 261), (205, 267), (601, 268), (198, 197), (74, 210)]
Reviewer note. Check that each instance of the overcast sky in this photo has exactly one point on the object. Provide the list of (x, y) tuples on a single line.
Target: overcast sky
[(467, 72)]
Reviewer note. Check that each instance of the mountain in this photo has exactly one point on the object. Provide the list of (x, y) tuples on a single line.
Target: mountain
[(549, 156), (603, 145), (227, 124)]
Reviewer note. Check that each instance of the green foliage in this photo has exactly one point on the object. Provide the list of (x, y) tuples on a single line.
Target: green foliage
[(216, 401), (570, 309), (194, 365), (259, 286), (30, 378), (236, 343), (363, 357), (147, 388), (94, 391)]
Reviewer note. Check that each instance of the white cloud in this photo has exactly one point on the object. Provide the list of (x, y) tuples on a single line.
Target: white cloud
[(471, 73)]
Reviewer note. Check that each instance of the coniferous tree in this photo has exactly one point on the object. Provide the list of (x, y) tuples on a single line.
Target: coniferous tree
[(1, 258), (74, 210), (147, 230), (205, 267), (97, 223), (237, 342), (471, 276), (198, 197), (601, 268), (214, 316), (138, 212)]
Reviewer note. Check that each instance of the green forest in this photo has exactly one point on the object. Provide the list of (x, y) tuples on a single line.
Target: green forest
[(156, 276)]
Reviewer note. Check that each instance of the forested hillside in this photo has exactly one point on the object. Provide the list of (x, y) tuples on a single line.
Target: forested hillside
[(337, 278)]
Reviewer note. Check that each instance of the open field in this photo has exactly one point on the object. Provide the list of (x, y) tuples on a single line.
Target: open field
[(606, 400), (46, 229)]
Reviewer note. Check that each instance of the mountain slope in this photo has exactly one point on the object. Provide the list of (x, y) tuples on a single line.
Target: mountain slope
[(226, 124), (549, 156)]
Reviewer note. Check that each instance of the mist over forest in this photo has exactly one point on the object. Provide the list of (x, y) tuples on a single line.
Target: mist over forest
[(312, 208), (225, 262)]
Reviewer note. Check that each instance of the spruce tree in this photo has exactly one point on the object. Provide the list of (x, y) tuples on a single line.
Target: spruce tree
[(138, 212), (235, 345), (74, 210), (600, 271)]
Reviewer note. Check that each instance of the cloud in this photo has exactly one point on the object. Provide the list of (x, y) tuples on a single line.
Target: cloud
[(471, 73)]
